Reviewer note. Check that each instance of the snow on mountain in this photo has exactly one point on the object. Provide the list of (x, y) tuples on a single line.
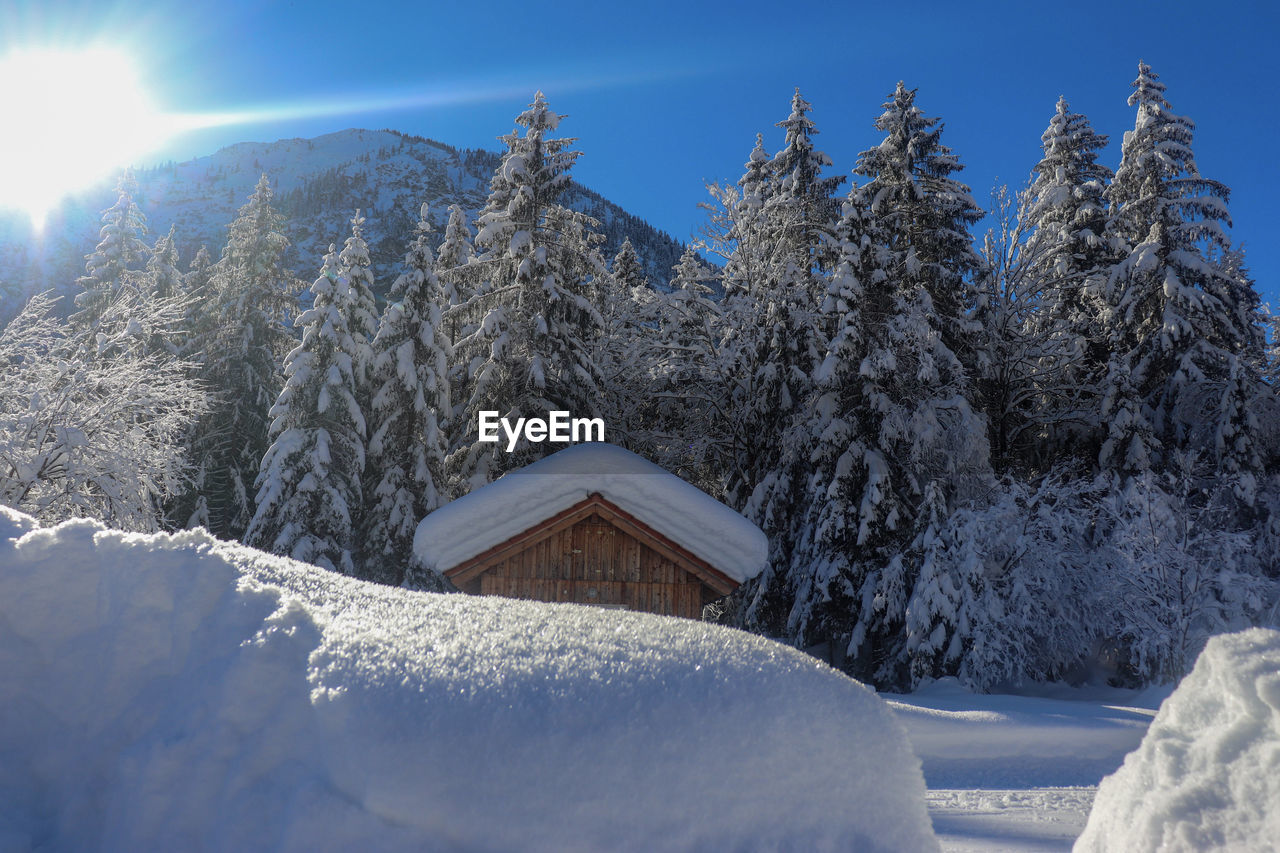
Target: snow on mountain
[(175, 692), (319, 184)]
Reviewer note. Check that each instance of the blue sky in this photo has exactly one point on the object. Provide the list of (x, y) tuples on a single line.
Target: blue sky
[(665, 96)]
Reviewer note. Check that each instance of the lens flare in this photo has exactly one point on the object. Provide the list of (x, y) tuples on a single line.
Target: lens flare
[(71, 116)]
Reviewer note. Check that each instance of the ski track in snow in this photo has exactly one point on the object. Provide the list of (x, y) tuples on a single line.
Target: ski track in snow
[(1021, 819)]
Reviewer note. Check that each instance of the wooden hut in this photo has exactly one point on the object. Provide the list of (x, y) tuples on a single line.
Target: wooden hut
[(593, 524)]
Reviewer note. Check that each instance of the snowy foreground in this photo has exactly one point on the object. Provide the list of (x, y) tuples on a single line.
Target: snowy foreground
[(180, 693), (176, 692)]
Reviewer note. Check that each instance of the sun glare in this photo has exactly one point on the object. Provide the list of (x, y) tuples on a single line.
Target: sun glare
[(70, 116)]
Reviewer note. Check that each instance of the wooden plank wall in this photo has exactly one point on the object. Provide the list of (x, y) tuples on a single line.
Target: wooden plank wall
[(593, 562)]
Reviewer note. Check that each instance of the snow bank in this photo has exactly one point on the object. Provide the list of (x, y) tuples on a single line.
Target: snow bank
[(514, 503), (1207, 775), (176, 692)]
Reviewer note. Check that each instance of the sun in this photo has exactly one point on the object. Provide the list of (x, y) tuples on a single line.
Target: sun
[(70, 117)]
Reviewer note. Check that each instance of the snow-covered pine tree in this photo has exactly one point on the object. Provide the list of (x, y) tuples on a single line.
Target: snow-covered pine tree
[(924, 213), (118, 258), (626, 269), (803, 211), (1068, 255), (624, 351), (789, 599), (309, 485), (408, 417), (1182, 320), (892, 429), (239, 336), (735, 230), (457, 275), (355, 269), (200, 317), (199, 272), (538, 269), (799, 220), (688, 321), (455, 253), (891, 424), (1272, 350), (164, 280)]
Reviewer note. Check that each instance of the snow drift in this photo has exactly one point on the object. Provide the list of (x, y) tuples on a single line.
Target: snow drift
[(1207, 775), (177, 692)]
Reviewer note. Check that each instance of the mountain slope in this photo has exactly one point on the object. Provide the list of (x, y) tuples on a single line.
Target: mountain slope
[(319, 184)]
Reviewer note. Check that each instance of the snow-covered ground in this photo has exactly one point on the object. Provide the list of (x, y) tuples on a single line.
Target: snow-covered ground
[(176, 692), (1019, 772)]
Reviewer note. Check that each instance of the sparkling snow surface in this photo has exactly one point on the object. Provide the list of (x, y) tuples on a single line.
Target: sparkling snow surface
[(514, 503), (180, 693), (1207, 776)]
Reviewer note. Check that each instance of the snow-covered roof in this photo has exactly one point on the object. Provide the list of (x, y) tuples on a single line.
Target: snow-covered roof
[(520, 500), (181, 693)]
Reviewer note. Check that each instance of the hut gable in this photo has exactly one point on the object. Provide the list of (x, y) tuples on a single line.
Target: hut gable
[(593, 524)]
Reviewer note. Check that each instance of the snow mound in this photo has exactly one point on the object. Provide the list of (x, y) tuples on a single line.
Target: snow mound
[(181, 693), (1207, 775), (519, 500)]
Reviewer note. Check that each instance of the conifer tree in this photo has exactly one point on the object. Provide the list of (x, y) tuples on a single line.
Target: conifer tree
[(737, 231), (894, 447), (164, 280), (688, 322), (924, 213), (309, 484), (1068, 254), (117, 259), (408, 417), (538, 267), (780, 243), (1183, 321), (799, 219), (239, 335), (454, 255), (624, 351), (803, 212), (356, 271), (626, 269), (199, 272)]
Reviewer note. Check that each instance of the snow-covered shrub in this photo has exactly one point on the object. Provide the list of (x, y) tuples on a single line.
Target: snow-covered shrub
[(1179, 572), (1207, 775), (93, 428), (1006, 590)]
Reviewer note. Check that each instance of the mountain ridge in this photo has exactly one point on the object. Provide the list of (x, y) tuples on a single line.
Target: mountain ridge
[(319, 183)]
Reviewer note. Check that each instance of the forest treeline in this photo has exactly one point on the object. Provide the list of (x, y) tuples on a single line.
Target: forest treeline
[(1051, 455)]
